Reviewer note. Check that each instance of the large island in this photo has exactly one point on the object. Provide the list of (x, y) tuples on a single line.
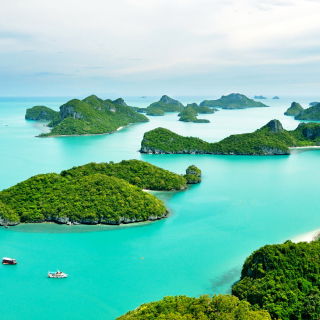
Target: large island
[(312, 113), (233, 101), (108, 193), (91, 115), (271, 139)]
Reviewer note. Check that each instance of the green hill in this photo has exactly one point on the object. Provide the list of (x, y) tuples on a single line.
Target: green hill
[(294, 110), (233, 101), (139, 173), (155, 112), (167, 104), (93, 193), (283, 279), (92, 115), (271, 139), (312, 113), (221, 307), (190, 112), (41, 113)]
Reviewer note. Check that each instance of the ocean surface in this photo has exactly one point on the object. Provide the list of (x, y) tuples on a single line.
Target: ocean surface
[(243, 203)]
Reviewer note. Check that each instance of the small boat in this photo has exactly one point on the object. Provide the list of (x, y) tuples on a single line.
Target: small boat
[(57, 274), (9, 261)]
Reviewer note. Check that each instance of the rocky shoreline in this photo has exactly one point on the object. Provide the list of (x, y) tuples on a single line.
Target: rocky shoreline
[(66, 220)]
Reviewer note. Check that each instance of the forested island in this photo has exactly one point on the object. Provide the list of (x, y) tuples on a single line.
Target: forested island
[(276, 98), (233, 101), (166, 104), (271, 139), (280, 281), (41, 113), (108, 193), (259, 97), (294, 109), (191, 111), (91, 115), (312, 113)]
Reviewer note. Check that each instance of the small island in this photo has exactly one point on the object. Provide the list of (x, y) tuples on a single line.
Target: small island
[(259, 97), (233, 101), (41, 113), (276, 98), (193, 175), (89, 116), (271, 139), (167, 104), (294, 110), (107, 193), (312, 113), (190, 113)]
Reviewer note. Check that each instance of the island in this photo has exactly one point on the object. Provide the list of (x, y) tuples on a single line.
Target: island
[(311, 104), (155, 112), (276, 98), (193, 175), (271, 139), (221, 307), (90, 116), (233, 101), (41, 113), (190, 112), (312, 113), (259, 97), (283, 279), (294, 110), (167, 104), (107, 193)]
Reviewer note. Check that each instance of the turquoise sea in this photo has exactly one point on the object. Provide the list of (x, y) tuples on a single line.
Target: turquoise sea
[(243, 203)]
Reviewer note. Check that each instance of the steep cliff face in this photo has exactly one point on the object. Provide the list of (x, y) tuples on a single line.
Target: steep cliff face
[(66, 111), (310, 132), (275, 126)]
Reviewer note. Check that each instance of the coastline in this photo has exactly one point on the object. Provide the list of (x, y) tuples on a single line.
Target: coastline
[(304, 148), (307, 237)]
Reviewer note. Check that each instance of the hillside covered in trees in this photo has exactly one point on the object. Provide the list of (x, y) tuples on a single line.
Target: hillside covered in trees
[(271, 139)]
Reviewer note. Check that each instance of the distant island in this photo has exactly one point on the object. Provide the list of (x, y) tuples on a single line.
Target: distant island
[(108, 193), (312, 113), (311, 104), (166, 104), (271, 139), (276, 98), (41, 113), (191, 111), (91, 115), (294, 110), (233, 101), (259, 97)]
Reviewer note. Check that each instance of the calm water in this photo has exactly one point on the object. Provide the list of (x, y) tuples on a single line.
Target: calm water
[(243, 203)]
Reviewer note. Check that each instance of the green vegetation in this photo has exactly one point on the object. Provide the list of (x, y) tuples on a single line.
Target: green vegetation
[(155, 112), (270, 139), (193, 174), (139, 173), (190, 112), (89, 199), (233, 101), (311, 104), (40, 113), (312, 113), (92, 115), (283, 279), (193, 170), (167, 104), (294, 110), (221, 307)]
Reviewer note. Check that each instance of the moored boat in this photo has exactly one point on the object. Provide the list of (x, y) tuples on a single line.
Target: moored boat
[(9, 261), (57, 274)]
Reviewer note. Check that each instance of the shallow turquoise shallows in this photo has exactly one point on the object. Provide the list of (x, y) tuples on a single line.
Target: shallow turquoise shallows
[(243, 203)]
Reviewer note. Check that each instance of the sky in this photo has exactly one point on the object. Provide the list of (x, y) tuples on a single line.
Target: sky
[(155, 47)]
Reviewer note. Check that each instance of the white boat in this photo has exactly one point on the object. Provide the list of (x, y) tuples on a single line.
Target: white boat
[(57, 274)]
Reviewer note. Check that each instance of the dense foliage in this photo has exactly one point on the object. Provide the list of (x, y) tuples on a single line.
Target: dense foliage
[(233, 101), (167, 104), (40, 113), (263, 141), (221, 307), (283, 279), (95, 198), (312, 113), (190, 112), (294, 109), (192, 178), (93, 115), (139, 173), (193, 170)]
